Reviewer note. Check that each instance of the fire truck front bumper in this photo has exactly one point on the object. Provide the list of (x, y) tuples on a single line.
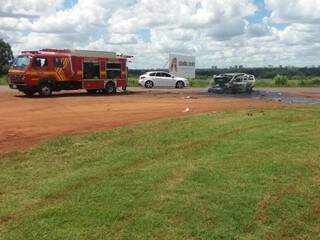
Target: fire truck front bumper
[(22, 87)]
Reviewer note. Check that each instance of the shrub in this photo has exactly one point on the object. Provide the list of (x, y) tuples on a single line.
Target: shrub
[(281, 80), (302, 83), (316, 81)]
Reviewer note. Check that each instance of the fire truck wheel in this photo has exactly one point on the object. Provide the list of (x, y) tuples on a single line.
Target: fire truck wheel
[(148, 84), (45, 90), (110, 88)]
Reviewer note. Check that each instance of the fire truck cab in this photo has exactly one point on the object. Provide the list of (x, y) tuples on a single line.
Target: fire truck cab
[(49, 70)]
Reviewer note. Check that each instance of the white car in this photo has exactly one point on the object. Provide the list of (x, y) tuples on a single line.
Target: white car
[(162, 79)]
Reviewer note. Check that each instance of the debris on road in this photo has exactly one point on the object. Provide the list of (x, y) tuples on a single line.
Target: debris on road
[(190, 97), (273, 96)]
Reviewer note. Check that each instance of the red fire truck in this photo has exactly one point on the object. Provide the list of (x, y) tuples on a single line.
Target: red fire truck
[(49, 70)]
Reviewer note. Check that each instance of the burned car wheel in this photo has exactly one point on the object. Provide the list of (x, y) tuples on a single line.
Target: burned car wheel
[(249, 90)]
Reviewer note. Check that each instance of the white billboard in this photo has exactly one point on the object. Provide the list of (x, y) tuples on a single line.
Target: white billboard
[(182, 65)]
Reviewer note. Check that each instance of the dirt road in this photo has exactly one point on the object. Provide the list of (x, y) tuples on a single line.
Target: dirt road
[(27, 121)]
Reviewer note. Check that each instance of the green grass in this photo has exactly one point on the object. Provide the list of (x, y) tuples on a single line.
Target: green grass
[(307, 82), (133, 82), (236, 175), (3, 80), (200, 83), (205, 82)]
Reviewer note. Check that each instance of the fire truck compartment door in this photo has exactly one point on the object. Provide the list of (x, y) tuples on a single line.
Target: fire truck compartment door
[(93, 84)]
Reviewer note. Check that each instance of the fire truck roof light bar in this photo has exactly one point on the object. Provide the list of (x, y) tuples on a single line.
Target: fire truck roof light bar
[(80, 53)]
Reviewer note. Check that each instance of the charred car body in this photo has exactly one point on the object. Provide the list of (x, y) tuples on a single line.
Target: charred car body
[(232, 83)]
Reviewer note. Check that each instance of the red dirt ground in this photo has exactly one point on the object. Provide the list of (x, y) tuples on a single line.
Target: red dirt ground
[(27, 121)]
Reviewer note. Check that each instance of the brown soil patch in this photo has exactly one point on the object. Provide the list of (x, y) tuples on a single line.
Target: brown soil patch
[(27, 121)]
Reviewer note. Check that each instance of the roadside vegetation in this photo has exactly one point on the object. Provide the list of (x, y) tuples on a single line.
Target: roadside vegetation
[(278, 81), (283, 81), (5, 57), (250, 174), (133, 81), (3, 80)]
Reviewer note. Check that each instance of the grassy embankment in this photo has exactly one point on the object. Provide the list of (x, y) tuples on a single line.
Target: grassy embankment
[(235, 175)]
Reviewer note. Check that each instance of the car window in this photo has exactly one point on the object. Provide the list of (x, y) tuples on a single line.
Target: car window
[(159, 74), (58, 62), (91, 70), (238, 79), (152, 74), (40, 62), (166, 75), (113, 70)]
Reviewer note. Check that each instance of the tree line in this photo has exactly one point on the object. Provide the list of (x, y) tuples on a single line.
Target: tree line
[(291, 72), (267, 73), (5, 56)]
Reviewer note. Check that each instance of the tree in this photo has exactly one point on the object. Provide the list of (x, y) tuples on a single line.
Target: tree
[(5, 56)]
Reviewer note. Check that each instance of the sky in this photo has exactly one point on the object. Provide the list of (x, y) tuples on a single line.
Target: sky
[(253, 33)]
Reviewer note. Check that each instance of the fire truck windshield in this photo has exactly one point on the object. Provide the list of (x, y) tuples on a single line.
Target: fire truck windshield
[(22, 61)]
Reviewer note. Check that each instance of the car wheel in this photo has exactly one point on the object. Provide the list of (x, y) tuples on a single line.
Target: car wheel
[(110, 88), (45, 90), (180, 84), (148, 84)]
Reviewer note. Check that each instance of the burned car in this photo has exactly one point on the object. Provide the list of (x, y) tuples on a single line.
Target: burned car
[(232, 83)]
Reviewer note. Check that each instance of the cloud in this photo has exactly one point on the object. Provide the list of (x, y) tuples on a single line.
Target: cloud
[(259, 30), (218, 32), (28, 8), (294, 11), (181, 14)]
